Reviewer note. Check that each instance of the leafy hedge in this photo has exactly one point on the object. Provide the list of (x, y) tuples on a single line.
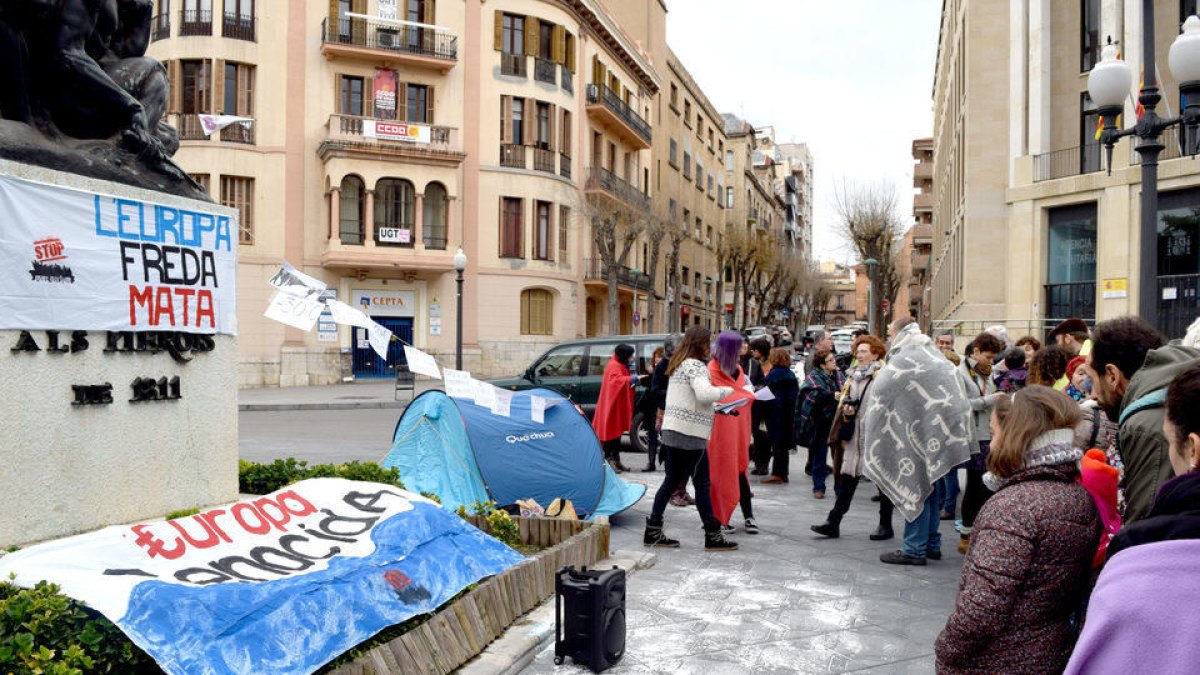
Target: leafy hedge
[(45, 632)]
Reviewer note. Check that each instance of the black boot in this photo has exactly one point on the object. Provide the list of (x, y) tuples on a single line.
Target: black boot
[(885, 521), (650, 463), (655, 537), (714, 540), (832, 526)]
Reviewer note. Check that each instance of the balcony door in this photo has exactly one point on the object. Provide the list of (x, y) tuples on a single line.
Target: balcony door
[(1071, 276)]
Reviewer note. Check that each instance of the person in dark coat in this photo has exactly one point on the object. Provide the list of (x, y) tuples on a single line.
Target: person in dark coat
[(760, 448), (1147, 593), (649, 409), (814, 415), (780, 412), (1030, 554)]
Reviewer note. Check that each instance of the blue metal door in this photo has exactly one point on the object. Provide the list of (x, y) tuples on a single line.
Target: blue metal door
[(367, 363)]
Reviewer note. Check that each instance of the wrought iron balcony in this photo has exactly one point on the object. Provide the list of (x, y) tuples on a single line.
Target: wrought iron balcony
[(196, 22), (568, 80), (189, 128), (513, 65), (603, 180), (596, 270), (545, 71), (544, 160), (605, 102), (512, 156), (1074, 161), (238, 27), (375, 40), (160, 27), (564, 162)]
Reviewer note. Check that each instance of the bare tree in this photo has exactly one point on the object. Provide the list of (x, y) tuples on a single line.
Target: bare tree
[(657, 227), (870, 223), (616, 227), (676, 232)]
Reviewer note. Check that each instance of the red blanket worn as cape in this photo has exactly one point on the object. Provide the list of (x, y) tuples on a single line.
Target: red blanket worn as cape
[(614, 410), (729, 445)]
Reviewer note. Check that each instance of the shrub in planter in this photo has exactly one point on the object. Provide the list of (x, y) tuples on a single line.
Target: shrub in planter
[(43, 631), (259, 479)]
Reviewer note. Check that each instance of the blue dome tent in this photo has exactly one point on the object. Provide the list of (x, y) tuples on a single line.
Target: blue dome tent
[(464, 453)]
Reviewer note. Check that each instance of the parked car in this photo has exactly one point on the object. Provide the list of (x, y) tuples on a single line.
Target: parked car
[(842, 340), (575, 370)]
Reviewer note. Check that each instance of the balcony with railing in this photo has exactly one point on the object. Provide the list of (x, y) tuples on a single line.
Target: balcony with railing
[(189, 128), (513, 65), (610, 111), (545, 71), (238, 27), (923, 202), (564, 166), (545, 160), (367, 138), (596, 271), (160, 27), (567, 79), (195, 22), (513, 156), (391, 43), (1074, 161), (603, 181), (922, 173)]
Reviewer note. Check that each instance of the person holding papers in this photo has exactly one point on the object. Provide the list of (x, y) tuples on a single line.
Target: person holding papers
[(779, 410), (687, 426), (614, 410), (729, 445)]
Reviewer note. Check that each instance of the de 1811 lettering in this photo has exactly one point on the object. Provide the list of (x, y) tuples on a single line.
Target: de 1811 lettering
[(162, 389)]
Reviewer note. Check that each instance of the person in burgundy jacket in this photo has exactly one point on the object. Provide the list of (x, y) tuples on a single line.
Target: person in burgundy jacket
[(614, 409)]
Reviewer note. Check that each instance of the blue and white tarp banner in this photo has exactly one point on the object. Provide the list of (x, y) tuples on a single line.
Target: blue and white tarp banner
[(77, 260), (280, 584)]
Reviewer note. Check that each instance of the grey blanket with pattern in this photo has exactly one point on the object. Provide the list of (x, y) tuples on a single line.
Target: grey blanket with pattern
[(915, 422)]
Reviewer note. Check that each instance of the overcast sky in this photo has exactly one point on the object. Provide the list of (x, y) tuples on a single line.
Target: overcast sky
[(851, 78)]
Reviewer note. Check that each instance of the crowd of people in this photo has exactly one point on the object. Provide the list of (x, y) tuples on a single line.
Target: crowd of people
[(1081, 507)]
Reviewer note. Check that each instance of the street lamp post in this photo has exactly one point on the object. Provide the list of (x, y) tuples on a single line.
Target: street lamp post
[(871, 264), (1108, 84), (635, 273), (460, 264)]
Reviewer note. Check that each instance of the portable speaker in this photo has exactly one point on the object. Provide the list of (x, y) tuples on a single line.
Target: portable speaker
[(589, 622)]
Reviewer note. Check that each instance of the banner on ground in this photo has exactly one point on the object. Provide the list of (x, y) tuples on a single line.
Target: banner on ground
[(280, 584), (76, 260)]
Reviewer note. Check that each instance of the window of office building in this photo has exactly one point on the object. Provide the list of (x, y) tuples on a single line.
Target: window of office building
[(1089, 147), (351, 102), (435, 216), (395, 207), (1089, 36), (351, 210), (419, 103), (1071, 272)]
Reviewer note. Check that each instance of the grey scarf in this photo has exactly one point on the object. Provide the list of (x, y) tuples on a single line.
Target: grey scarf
[(1050, 449)]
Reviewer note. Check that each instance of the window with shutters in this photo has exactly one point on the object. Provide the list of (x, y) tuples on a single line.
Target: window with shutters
[(513, 41), (564, 220), (510, 228), (543, 125), (545, 40), (537, 312), (196, 87), (518, 121), (237, 192), (237, 92), (564, 145), (351, 210), (541, 232), (351, 99), (419, 106)]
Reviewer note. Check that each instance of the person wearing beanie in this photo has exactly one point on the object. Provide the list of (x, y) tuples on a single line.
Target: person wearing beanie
[(1015, 373)]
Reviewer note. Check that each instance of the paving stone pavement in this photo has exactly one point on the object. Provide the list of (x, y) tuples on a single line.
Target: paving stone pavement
[(786, 601)]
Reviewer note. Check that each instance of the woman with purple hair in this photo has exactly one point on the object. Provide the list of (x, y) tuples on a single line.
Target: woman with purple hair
[(729, 444)]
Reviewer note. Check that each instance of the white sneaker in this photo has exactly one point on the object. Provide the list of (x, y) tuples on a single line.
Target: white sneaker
[(751, 526)]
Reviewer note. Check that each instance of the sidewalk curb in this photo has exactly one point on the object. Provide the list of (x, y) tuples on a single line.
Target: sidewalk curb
[(355, 405), (529, 635)]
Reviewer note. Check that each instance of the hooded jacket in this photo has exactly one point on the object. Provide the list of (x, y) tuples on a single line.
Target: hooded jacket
[(1140, 440), (1147, 593)]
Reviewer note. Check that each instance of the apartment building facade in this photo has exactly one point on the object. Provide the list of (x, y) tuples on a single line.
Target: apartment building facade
[(917, 246), (385, 135), (1029, 225)]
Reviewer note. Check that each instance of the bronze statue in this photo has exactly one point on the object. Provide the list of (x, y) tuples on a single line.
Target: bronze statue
[(78, 93)]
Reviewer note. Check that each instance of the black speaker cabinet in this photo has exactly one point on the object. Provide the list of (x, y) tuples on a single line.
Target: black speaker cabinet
[(589, 625)]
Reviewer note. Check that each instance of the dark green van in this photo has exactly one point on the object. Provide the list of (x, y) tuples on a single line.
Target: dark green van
[(575, 369)]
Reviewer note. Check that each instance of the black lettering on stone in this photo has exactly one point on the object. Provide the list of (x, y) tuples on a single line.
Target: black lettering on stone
[(52, 343), (92, 394), (26, 343), (79, 341)]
